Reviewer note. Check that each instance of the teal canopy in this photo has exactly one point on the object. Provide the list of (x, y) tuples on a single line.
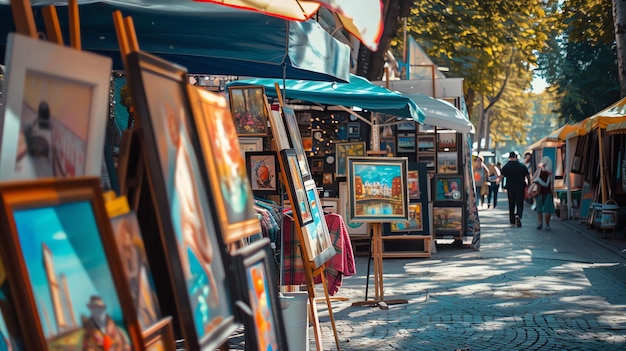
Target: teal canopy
[(358, 92), (206, 38)]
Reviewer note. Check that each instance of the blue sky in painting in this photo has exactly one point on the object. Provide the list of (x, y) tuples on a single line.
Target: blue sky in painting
[(377, 173), (71, 233)]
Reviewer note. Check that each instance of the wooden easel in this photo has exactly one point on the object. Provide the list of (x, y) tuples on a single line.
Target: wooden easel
[(310, 271)]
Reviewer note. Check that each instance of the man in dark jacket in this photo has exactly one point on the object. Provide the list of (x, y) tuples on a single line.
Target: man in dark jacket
[(516, 179)]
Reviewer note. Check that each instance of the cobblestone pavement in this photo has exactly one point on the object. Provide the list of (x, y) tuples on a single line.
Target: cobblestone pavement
[(526, 289)]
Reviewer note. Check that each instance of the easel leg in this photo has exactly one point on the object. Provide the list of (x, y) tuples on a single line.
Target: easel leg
[(330, 310), (313, 312)]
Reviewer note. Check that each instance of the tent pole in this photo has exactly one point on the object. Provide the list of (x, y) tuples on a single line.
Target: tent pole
[(600, 149)]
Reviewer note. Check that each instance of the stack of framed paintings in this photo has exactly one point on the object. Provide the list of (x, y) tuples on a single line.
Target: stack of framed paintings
[(191, 239), (60, 257)]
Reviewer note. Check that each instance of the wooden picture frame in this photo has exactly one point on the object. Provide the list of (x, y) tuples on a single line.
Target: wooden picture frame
[(295, 185), (295, 139), (257, 291), (233, 200), (426, 143), (279, 132), (446, 141), (250, 144), (317, 241), (447, 162), (448, 220), (131, 248), (49, 226), (406, 143), (263, 171), (160, 337), (249, 109), (345, 150), (448, 188), (195, 254), (378, 189), (56, 109)]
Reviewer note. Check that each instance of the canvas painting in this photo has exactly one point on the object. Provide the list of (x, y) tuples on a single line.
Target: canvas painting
[(296, 185), (426, 143), (448, 219), (135, 263), (318, 243), (413, 224), (228, 176), (406, 143), (55, 117), (447, 162), (296, 139), (263, 172), (378, 188), (353, 227), (345, 150), (414, 185), (249, 109), (447, 188), (69, 276), (279, 133), (447, 141)]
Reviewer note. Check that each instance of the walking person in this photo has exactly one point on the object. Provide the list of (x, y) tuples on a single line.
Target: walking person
[(494, 184), (481, 174), (516, 178), (544, 202)]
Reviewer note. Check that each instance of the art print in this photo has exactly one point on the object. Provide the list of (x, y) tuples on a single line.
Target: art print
[(378, 188), (56, 111), (447, 188), (249, 109), (227, 172), (263, 172)]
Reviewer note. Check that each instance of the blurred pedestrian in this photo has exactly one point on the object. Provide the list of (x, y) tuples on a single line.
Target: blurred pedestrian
[(516, 178), (494, 184), (481, 175), (544, 202)]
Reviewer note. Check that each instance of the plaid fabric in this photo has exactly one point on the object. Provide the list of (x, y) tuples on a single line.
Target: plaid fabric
[(339, 265)]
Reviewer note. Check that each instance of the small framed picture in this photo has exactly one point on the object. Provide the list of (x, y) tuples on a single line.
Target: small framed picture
[(388, 145), (343, 151), (447, 220), (406, 143), (426, 143), (446, 141), (260, 306), (262, 169), (447, 162), (249, 107), (279, 133), (414, 185), (448, 187), (414, 223), (406, 126), (247, 144), (317, 164), (354, 129), (295, 138), (295, 183), (330, 205), (426, 128), (429, 160), (317, 242)]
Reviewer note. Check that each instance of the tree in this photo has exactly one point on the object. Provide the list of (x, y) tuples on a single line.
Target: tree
[(619, 19), (485, 42)]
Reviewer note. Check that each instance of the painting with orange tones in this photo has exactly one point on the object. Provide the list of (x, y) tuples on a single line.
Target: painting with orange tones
[(226, 167), (257, 289)]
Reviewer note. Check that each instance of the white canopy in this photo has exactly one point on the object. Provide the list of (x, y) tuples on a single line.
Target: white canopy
[(441, 113)]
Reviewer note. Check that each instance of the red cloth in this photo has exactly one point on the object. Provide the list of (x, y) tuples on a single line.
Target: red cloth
[(341, 264)]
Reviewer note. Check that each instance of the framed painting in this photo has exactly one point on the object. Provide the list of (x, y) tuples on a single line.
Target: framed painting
[(428, 159), (295, 185), (406, 143), (406, 126), (317, 241), (447, 162), (130, 245), (250, 144), (295, 139), (448, 188), (354, 129), (54, 121), (249, 109), (377, 187), (446, 141), (263, 172), (230, 187), (388, 145), (160, 337), (414, 184), (195, 254), (61, 259), (426, 143), (415, 222), (447, 220), (279, 133), (257, 291), (353, 227), (345, 150), (317, 164)]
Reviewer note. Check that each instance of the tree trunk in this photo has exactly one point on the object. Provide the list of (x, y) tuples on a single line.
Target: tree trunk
[(619, 20)]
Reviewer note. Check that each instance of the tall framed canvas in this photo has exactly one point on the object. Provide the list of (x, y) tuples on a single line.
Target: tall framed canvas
[(345, 150), (230, 188), (262, 170), (317, 241), (189, 236), (295, 139), (249, 107), (279, 133), (295, 184), (257, 290), (54, 121), (378, 189), (61, 260), (136, 268)]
